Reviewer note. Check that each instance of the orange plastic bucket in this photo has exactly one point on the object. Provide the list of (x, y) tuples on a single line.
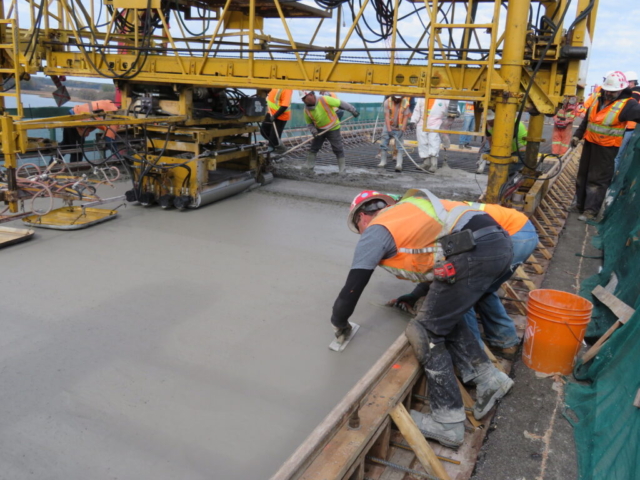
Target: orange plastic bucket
[(556, 323)]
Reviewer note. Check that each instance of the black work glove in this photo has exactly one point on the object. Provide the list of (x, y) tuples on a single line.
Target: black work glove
[(404, 303), (356, 113), (574, 141), (268, 118)]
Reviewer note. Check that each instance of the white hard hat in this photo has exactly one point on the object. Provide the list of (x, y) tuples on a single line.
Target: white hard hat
[(614, 82), (631, 76), (490, 115), (304, 93)]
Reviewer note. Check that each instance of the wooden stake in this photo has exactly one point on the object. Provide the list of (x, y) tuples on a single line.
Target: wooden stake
[(418, 443)]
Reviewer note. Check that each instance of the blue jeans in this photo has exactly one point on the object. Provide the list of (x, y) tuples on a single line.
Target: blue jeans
[(467, 126), (625, 141), (499, 329), (386, 137)]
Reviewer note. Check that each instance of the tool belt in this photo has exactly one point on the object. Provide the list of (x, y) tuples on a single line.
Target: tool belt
[(465, 240)]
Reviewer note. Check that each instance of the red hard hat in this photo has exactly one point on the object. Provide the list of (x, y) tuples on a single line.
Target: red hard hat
[(361, 199)]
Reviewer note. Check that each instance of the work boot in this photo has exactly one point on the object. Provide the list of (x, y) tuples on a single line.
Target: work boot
[(448, 434), (341, 165), (425, 162), (311, 161), (508, 353), (491, 386), (434, 164), (587, 215), (399, 161), (467, 146), (383, 159)]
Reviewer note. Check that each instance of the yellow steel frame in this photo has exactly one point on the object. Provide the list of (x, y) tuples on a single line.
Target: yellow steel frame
[(72, 45)]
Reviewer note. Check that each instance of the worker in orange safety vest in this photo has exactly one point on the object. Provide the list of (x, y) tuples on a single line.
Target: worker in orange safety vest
[(396, 116), (278, 114), (603, 129), (499, 328), (422, 239), (75, 136)]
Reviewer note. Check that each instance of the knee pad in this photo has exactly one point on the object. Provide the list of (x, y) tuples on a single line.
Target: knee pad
[(418, 337)]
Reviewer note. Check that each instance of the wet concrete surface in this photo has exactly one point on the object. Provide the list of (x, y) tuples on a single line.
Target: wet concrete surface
[(456, 177), (529, 438), (181, 345)]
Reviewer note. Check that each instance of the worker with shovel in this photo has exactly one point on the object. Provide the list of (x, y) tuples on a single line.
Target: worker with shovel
[(324, 124), (463, 251)]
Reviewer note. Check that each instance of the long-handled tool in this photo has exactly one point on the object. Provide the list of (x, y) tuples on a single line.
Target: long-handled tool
[(310, 139), (340, 343)]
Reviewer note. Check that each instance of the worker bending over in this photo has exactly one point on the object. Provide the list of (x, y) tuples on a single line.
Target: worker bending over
[(279, 113), (324, 124), (603, 129), (429, 142), (499, 328), (465, 251), (396, 116), (74, 136)]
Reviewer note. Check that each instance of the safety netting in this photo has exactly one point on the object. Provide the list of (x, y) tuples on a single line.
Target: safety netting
[(606, 423)]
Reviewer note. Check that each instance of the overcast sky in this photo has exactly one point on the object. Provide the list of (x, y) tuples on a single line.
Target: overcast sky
[(614, 46)]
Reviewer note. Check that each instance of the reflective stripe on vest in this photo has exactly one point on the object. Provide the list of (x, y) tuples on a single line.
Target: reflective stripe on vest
[(604, 127), (416, 223), (331, 115)]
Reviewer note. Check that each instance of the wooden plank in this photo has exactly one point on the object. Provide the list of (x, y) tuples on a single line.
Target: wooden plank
[(492, 357), (512, 293), (337, 456), (536, 265), (525, 278), (418, 443), (468, 403), (337, 418), (544, 251), (620, 309)]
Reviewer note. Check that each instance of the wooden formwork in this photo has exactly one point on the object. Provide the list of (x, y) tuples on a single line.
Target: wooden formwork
[(369, 435)]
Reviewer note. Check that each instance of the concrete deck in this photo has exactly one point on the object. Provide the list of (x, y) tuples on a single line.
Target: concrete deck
[(181, 345)]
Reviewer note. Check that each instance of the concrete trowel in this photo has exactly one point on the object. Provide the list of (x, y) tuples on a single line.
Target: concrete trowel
[(340, 343)]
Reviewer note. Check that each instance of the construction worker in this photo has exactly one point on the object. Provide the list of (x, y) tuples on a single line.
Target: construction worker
[(468, 125), (75, 136), (396, 116), (405, 238), (278, 114), (562, 129), (518, 145), (325, 93), (603, 129), (452, 114), (324, 124), (429, 142), (499, 328), (632, 78)]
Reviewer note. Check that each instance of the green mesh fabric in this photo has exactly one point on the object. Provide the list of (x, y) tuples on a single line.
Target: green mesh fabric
[(619, 238), (606, 424)]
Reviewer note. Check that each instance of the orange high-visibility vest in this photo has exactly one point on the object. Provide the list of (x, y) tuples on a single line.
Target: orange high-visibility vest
[(508, 218), (404, 104), (432, 102), (468, 107), (416, 224), (104, 105), (591, 98), (604, 127), (96, 106), (277, 98)]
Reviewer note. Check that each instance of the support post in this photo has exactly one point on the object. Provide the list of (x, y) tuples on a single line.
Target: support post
[(507, 101)]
